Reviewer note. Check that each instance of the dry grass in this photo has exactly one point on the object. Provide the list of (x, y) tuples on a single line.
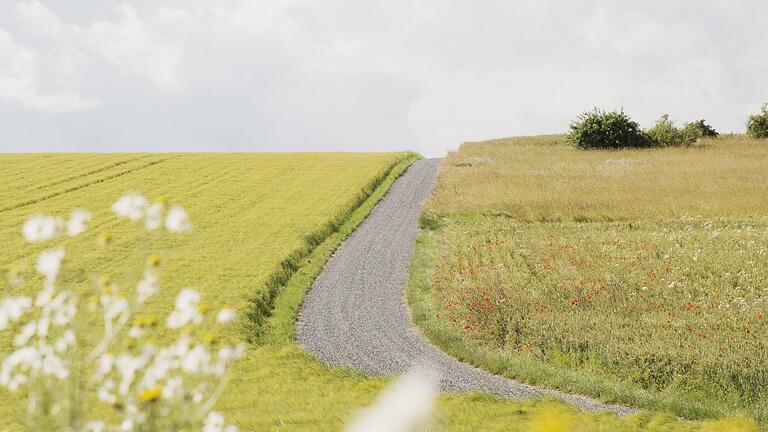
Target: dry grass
[(543, 179), (635, 275)]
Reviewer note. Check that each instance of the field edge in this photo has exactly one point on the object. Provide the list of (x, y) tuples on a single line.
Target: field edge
[(272, 320)]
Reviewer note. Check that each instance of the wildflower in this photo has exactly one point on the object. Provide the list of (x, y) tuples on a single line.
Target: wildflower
[(151, 394), (16, 275), (177, 220), (230, 353), (186, 311), (106, 392), (66, 341), (148, 287), (131, 206), (25, 359), (25, 334), (12, 308), (104, 239), (153, 217), (226, 315), (94, 426), (196, 361), (49, 264), (153, 261), (405, 405), (77, 222), (214, 422), (40, 228)]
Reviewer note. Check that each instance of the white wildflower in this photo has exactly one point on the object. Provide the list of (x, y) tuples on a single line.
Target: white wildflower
[(25, 334), (52, 365), (226, 315), (135, 332), (187, 309), (197, 360), (12, 308), (94, 426), (214, 422), (173, 387), (66, 341), (405, 405), (153, 218), (104, 367), (49, 264), (131, 206), (106, 392), (40, 228), (126, 425), (77, 222), (26, 359), (177, 220), (229, 353), (148, 286)]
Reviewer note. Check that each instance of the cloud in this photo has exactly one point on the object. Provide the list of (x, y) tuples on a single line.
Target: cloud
[(132, 44), (20, 81), (376, 75)]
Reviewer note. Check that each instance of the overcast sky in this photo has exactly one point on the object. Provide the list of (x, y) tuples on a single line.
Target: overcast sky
[(285, 75)]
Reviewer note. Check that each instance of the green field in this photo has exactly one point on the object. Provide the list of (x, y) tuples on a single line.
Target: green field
[(637, 276), (264, 225)]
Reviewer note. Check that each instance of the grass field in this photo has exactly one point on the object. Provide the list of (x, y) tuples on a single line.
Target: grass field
[(638, 276), (264, 225)]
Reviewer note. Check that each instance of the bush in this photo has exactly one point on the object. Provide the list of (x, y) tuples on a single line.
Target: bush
[(757, 126), (699, 129), (665, 134), (600, 129)]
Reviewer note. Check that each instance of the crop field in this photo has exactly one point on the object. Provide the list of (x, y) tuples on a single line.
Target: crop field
[(263, 227), (249, 213), (638, 276)]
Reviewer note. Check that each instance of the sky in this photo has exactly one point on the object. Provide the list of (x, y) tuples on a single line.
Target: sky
[(351, 75)]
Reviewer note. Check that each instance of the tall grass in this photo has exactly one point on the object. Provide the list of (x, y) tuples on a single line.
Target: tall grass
[(638, 276), (542, 179)]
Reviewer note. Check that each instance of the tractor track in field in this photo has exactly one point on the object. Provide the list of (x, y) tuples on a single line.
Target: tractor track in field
[(356, 315), (77, 187)]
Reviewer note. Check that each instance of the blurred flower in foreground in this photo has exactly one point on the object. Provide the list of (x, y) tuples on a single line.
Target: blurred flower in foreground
[(40, 228), (77, 222), (177, 220), (405, 405), (150, 387)]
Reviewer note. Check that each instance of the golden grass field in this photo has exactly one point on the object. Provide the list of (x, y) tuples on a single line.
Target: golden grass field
[(638, 276), (542, 179), (250, 213)]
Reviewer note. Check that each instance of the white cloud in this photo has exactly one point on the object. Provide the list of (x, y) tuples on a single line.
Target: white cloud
[(20, 80), (132, 44), (374, 75)]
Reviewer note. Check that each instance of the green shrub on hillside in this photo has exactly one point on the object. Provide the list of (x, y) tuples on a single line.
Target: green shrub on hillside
[(665, 134), (757, 126), (600, 129), (699, 129)]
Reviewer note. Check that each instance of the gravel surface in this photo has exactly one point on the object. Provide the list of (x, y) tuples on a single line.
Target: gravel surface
[(356, 314)]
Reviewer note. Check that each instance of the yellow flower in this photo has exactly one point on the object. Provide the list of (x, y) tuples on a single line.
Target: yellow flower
[(151, 394), (203, 309), (104, 239), (145, 321), (210, 339), (163, 201), (153, 261), (16, 275)]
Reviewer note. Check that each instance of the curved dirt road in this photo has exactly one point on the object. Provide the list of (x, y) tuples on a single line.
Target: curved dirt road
[(356, 315)]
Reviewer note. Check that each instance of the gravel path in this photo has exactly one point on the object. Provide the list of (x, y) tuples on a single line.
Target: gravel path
[(356, 315)]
